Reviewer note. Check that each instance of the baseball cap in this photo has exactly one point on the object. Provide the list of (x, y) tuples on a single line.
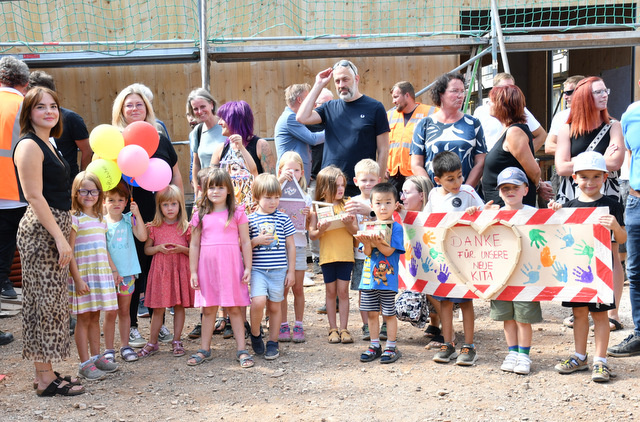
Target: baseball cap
[(589, 160), (512, 175)]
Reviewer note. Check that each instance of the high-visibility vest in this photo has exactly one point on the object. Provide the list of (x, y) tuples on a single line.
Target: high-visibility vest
[(400, 138), (10, 106)]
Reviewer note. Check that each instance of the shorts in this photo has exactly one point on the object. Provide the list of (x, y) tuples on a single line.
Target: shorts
[(301, 258), (269, 283), (357, 274), (593, 307), (523, 312), (451, 299), (127, 285), (336, 271), (373, 300)]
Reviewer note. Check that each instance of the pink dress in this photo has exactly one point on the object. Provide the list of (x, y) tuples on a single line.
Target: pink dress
[(220, 267), (169, 280)]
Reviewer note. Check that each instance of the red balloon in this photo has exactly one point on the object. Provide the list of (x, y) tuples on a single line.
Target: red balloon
[(142, 134)]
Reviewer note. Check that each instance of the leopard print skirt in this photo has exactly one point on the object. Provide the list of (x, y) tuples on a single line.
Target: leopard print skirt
[(45, 306)]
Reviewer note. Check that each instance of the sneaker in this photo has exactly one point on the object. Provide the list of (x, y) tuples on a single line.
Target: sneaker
[(371, 354), (143, 311), (298, 334), (601, 372), (165, 335), (308, 281), (272, 350), (523, 367), (628, 347), (322, 310), (171, 311), (196, 332), (5, 338), (568, 321), (257, 344), (7, 290), (366, 336), (446, 354), (135, 339), (572, 364), (91, 373), (467, 356), (228, 331), (103, 364), (509, 363), (285, 333), (383, 331)]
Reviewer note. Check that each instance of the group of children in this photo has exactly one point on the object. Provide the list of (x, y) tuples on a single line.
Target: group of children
[(212, 261)]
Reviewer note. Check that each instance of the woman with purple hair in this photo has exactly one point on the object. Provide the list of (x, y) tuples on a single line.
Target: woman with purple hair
[(236, 119)]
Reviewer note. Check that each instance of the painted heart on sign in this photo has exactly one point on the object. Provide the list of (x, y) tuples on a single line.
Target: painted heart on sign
[(482, 258)]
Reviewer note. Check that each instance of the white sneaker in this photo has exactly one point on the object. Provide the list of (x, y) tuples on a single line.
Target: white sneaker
[(165, 335), (135, 339), (510, 362), (523, 367), (308, 281)]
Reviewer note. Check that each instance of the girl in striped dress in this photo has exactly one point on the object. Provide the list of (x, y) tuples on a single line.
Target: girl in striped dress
[(94, 276)]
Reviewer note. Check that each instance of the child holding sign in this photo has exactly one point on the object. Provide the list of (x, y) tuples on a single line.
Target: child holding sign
[(590, 172), (452, 195)]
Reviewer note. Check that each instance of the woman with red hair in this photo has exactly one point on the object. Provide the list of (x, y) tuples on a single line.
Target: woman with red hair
[(515, 146)]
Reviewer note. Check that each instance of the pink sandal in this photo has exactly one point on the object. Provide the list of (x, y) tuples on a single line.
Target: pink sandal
[(178, 348), (148, 350)]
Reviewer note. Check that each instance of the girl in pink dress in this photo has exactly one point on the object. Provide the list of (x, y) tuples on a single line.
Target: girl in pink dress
[(168, 281), (220, 267)]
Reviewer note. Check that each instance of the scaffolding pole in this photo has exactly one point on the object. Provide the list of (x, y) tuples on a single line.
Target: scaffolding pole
[(204, 46), (495, 22)]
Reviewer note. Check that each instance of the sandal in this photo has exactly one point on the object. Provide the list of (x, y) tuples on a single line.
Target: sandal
[(200, 356), (178, 348), (245, 359), (64, 390), (334, 336), (615, 325), (128, 354), (390, 355), (148, 350), (220, 324), (345, 336), (66, 378)]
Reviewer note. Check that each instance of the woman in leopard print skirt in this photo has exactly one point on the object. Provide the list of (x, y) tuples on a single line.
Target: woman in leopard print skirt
[(42, 240)]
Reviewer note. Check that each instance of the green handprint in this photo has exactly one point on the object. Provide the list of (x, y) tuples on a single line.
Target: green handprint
[(535, 236), (435, 255), (410, 233), (584, 249)]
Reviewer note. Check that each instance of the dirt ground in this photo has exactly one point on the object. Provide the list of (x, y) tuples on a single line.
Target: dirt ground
[(321, 381)]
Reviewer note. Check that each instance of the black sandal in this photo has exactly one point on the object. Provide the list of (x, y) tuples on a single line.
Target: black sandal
[(55, 388), (66, 378)]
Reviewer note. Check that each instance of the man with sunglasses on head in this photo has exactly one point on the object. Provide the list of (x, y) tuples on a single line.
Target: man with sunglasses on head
[(561, 117), (356, 126)]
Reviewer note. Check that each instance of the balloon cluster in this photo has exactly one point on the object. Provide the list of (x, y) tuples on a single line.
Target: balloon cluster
[(127, 154)]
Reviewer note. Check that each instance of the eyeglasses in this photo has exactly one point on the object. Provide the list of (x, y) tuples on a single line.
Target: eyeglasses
[(568, 92), (89, 192), (346, 63), (131, 106), (456, 91), (599, 92)]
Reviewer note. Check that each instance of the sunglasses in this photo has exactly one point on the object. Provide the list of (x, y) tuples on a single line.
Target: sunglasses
[(346, 63), (569, 92)]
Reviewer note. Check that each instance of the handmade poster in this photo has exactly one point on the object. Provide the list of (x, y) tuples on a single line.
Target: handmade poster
[(527, 255), (292, 202), (383, 228), (325, 212), (241, 179)]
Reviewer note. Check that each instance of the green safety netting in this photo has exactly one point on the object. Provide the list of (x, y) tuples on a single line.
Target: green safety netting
[(117, 25)]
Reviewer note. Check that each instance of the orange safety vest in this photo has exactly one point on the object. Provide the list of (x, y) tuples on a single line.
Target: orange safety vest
[(401, 136), (10, 106)]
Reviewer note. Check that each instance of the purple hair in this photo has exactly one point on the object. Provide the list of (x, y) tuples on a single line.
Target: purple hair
[(239, 118)]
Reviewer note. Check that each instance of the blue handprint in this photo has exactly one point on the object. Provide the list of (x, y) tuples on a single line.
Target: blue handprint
[(533, 275), (583, 276), (417, 250), (566, 236), (413, 267), (444, 273), (560, 272), (427, 265)]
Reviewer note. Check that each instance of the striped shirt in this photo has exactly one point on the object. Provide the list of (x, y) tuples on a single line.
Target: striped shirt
[(274, 255)]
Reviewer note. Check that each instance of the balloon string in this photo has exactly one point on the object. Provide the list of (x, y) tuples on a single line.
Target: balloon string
[(133, 217)]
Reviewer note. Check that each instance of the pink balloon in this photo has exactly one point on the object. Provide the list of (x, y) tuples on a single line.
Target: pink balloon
[(133, 160), (157, 176)]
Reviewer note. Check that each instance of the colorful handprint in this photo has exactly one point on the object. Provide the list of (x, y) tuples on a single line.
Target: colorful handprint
[(413, 267), (536, 238), (410, 232), (584, 249), (429, 239), (435, 254), (533, 275), (427, 265), (583, 276), (560, 272), (566, 236), (443, 274), (545, 257), (417, 250)]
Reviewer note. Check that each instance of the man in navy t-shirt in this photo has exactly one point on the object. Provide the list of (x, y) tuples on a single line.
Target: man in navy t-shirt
[(356, 125)]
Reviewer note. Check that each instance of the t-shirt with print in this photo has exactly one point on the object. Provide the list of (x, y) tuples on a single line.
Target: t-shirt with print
[(381, 272), (280, 226), (467, 197)]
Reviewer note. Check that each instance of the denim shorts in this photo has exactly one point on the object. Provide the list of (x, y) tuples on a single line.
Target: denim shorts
[(336, 271), (269, 283), (126, 286), (301, 258)]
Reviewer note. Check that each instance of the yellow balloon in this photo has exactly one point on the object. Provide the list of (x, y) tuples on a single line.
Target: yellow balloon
[(106, 141), (107, 171)]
